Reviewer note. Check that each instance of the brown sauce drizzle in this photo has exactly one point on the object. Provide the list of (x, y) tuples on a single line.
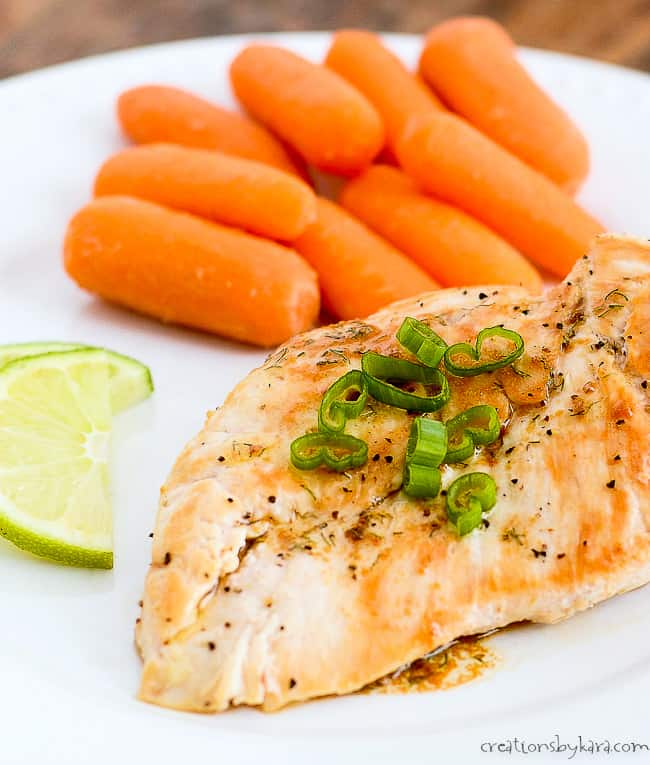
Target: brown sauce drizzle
[(461, 662)]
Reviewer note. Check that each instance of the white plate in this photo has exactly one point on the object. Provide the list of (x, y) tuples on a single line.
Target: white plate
[(68, 670)]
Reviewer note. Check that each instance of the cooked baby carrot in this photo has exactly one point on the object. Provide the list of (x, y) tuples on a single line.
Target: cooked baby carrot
[(157, 113), (362, 59), (447, 243), (471, 63), (184, 270), (359, 272), (451, 159), (317, 112), (230, 190)]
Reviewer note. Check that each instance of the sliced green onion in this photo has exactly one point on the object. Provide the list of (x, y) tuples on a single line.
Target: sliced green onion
[(425, 450), (463, 359), (469, 520), (427, 444), (421, 481), (379, 370), (337, 451), (476, 426), (344, 400), (461, 447), (422, 341), (468, 497)]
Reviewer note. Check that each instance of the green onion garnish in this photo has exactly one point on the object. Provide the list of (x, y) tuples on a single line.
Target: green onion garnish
[(344, 400), (476, 426), (337, 451), (468, 497), (425, 450), (380, 369), (423, 342), (469, 520), (462, 359)]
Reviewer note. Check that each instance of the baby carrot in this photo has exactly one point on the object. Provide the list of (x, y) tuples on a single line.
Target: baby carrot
[(358, 271), (452, 160), (471, 63), (317, 112), (157, 113), (230, 190), (446, 242), (361, 58), (184, 270)]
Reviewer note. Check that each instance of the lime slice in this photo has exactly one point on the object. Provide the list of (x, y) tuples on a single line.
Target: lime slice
[(130, 380), (55, 420)]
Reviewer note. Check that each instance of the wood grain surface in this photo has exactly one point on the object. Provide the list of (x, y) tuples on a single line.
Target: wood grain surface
[(36, 33)]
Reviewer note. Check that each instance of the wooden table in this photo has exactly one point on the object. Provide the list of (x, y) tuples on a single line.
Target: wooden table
[(36, 33)]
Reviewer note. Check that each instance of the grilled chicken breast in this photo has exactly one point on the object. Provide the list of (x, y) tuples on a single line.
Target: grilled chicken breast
[(271, 585)]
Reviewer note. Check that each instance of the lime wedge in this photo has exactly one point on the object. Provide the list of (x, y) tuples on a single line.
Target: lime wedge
[(55, 421), (130, 380)]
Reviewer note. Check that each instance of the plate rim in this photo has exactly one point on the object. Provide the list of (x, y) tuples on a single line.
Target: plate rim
[(64, 67)]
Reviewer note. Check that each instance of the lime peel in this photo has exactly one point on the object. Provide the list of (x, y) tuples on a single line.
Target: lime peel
[(54, 549)]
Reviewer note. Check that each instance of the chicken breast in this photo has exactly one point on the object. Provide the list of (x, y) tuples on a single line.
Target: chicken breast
[(271, 585)]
